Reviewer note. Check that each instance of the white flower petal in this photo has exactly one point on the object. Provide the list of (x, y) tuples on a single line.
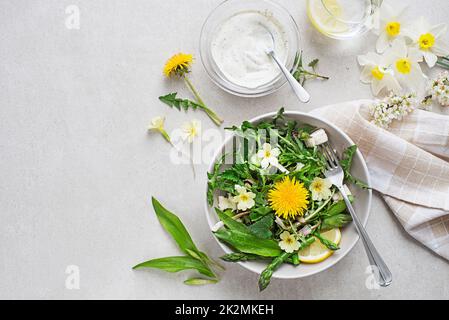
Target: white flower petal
[(431, 59), (438, 30), (383, 42), (366, 76)]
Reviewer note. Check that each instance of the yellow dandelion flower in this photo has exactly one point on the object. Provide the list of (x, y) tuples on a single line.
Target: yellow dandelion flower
[(178, 64), (288, 198)]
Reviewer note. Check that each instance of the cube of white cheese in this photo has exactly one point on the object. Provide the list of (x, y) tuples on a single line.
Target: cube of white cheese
[(316, 138)]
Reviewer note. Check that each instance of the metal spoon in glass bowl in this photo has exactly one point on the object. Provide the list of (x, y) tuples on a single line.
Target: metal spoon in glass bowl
[(299, 90)]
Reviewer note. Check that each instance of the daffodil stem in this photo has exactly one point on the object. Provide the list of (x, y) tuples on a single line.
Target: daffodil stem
[(212, 115), (166, 136)]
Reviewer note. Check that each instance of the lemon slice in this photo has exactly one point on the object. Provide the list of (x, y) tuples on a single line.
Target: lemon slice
[(318, 252), (325, 16)]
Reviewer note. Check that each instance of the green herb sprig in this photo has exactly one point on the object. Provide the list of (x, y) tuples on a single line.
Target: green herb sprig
[(301, 74), (173, 101)]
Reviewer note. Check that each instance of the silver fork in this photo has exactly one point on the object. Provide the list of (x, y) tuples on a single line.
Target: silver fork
[(335, 175)]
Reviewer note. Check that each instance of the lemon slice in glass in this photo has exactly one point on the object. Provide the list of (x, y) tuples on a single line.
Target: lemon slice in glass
[(318, 252), (325, 16)]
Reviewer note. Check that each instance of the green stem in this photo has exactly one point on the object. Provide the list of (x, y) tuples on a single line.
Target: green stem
[(309, 217), (212, 115), (165, 135)]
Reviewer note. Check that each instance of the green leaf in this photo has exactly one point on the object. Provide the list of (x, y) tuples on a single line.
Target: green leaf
[(346, 163), (259, 212), (335, 221), (176, 264), (199, 281), (336, 208), (249, 243), (173, 102), (261, 228), (231, 223), (313, 63), (173, 225)]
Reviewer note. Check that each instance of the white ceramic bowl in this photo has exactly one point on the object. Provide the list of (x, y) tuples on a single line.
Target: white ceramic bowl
[(362, 202)]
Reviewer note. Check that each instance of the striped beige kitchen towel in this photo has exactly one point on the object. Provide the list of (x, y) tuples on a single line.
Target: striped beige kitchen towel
[(408, 164)]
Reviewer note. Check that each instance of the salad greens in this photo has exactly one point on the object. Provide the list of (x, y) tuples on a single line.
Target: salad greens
[(193, 258), (273, 199)]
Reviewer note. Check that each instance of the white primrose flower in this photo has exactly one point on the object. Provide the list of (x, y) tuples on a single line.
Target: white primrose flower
[(390, 27), (288, 242), (268, 156), (225, 203), (190, 130), (321, 189), (244, 199), (429, 40), (405, 63), (377, 71)]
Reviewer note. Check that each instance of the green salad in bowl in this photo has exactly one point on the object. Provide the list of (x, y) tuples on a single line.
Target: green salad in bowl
[(272, 203)]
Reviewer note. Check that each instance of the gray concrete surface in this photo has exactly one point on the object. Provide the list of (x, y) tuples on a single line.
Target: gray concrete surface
[(78, 168)]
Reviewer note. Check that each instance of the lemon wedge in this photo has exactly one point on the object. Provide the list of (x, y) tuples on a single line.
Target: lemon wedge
[(318, 252), (325, 16)]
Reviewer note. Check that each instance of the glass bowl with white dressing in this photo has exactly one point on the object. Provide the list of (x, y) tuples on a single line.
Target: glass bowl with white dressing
[(234, 42)]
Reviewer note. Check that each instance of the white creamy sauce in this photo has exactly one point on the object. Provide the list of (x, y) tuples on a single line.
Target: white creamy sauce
[(240, 44)]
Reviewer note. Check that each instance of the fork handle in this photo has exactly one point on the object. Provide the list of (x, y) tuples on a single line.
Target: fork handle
[(385, 276)]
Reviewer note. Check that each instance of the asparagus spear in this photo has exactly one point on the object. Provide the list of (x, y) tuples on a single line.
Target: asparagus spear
[(266, 275)]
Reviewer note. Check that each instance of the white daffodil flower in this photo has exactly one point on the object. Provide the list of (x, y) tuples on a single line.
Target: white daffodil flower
[(405, 63), (244, 199), (157, 125), (390, 26), (429, 40), (268, 156), (288, 242), (225, 203), (190, 130), (377, 72), (321, 189)]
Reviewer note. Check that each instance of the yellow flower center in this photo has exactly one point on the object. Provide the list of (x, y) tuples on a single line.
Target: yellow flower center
[(244, 197), (267, 154), (377, 74), (404, 66), (426, 41), (289, 240), (393, 28), (317, 186), (288, 198)]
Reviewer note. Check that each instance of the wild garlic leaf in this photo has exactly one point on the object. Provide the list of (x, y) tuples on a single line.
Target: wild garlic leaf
[(172, 101), (173, 225), (176, 264), (262, 228), (249, 243), (231, 223), (199, 281)]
